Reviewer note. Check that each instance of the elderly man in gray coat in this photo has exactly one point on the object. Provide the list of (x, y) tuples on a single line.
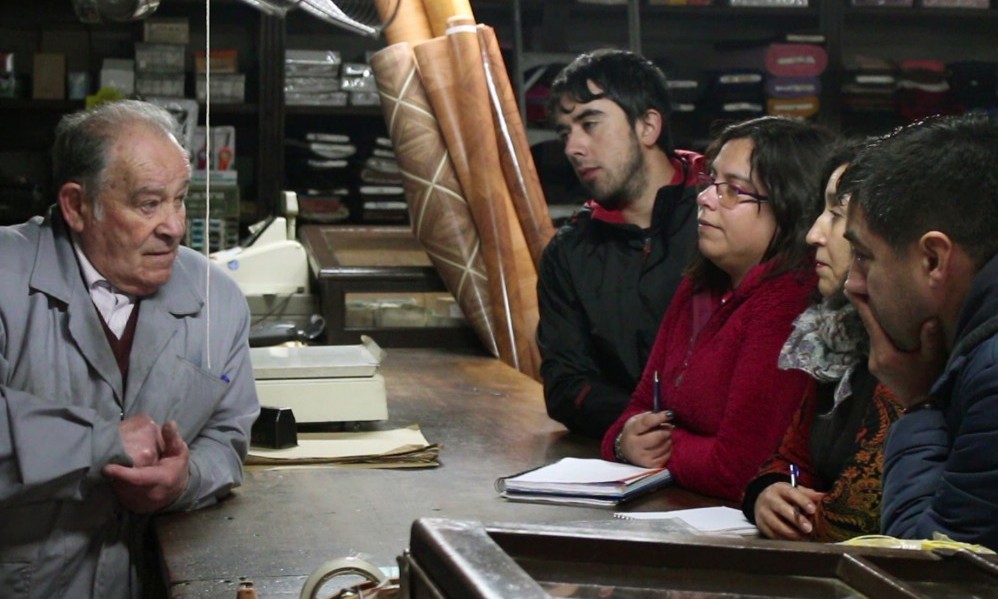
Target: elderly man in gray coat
[(125, 382)]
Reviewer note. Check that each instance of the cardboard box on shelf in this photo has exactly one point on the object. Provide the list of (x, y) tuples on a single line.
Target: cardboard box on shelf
[(221, 60), (119, 74), (226, 88), (159, 58), (168, 85), (166, 30), (222, 231), (49, 77)]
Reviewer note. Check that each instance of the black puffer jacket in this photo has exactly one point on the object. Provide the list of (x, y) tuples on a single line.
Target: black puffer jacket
[(603, 287)]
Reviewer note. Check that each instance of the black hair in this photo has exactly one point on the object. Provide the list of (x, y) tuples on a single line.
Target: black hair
[(787, 154), (842, 151), (629, 80), (938, 174)]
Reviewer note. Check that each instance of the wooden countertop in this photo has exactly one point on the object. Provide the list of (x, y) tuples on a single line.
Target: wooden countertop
[(282, 524)]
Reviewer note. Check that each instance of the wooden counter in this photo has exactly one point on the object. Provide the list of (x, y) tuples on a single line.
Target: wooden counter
[(282, 524)]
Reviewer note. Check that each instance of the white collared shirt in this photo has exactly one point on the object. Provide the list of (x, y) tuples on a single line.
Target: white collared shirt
[(114, 307)]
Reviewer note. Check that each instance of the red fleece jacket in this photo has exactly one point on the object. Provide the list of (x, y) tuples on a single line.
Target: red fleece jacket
[(732, 404)]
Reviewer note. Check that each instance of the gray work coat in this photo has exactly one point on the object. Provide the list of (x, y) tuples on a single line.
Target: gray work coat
[(63, 532)]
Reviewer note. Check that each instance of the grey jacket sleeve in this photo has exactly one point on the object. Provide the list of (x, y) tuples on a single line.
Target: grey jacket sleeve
[(49, 451)]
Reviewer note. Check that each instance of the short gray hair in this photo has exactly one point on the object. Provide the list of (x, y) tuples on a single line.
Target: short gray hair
[(83, 139)]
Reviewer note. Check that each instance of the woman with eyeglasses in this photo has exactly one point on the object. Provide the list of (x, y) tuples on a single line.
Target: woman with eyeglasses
[(835, 443), (712, 405)]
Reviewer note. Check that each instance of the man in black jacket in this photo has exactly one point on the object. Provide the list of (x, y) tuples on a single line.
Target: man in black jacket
[(607, 277)]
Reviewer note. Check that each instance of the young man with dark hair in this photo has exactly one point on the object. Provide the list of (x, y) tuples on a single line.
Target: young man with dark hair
[(607, 277), (924, 278)]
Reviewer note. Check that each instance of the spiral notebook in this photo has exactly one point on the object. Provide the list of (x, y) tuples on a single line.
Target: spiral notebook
[(582, 481)]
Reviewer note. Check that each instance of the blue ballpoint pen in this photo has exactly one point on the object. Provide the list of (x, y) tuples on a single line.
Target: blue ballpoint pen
[(794, 473), (656, 397)]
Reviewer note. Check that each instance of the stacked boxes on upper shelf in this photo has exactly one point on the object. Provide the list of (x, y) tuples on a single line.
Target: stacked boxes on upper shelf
[(312, 78), (214, 155), (321, 78), (358, 80), (220, 68), (160, 60)]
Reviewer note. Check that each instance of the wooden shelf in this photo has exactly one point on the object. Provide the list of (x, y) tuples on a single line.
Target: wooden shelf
[(333, 110), (32, 105)]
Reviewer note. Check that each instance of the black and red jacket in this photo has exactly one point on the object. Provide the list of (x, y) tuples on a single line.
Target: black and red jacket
[(603, 287)]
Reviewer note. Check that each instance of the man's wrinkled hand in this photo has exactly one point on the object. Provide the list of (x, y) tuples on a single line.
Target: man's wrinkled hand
[(142, 439), (149, 489)]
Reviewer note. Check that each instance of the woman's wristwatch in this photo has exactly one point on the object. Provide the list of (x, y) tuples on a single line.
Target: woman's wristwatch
[(618, 451)]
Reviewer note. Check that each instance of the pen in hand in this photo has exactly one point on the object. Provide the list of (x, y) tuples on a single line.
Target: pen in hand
[(656, 398), (794, 473)]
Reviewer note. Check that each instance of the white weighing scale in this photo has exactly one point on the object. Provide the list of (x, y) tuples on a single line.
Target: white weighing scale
[(322, 383), (272, 261)]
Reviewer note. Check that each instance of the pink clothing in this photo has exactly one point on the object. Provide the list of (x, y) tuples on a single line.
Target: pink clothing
[(731, 402)]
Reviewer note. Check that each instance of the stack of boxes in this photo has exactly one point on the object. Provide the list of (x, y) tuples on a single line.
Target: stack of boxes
[(311, 78), (227, 83), (358, 80), (160, 60), (219, 159)]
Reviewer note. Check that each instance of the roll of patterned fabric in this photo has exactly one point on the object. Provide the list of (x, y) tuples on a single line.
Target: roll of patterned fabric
[(439, 213), (514, 151), (407, 21), (453, 75), (438, 11)]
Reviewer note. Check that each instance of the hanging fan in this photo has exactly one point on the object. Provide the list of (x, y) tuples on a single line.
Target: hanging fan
[(366, 17), (97, 11)]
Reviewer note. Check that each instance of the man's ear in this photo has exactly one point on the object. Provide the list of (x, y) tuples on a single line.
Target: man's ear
[(73, 205), (939, 257), (649, 127)]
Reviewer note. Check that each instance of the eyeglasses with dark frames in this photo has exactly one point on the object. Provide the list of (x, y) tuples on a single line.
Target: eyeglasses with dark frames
[(729, 195)]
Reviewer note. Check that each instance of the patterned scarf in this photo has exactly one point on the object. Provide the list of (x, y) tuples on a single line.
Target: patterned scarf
[(827, 342)]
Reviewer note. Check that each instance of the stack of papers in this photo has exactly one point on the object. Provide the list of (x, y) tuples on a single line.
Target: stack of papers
[(583, 482), (711, 520), (398, 448)]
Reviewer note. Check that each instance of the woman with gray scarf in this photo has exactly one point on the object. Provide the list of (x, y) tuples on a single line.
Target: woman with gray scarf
[(823, 484)]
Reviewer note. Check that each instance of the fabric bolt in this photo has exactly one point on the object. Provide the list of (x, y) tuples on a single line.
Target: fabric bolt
[(795, 60), (439, 212), (792, 87), (793, 107)]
